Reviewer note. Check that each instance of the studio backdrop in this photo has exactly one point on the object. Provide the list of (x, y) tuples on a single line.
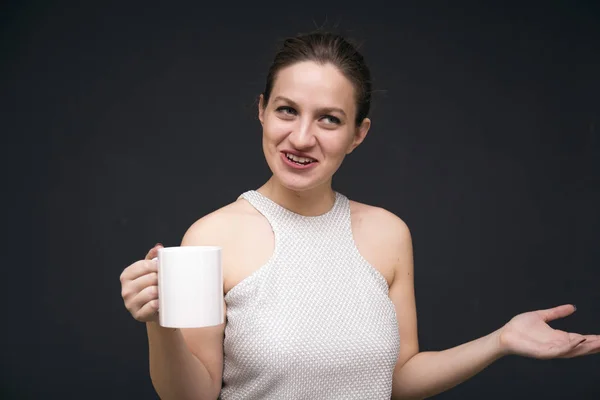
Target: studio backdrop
[(124, 123)]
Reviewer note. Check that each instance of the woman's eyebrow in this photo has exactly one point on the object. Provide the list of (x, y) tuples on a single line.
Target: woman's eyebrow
[(322, 109)]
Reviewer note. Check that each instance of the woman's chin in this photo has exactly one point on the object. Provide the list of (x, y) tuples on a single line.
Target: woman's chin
[(299, 184)]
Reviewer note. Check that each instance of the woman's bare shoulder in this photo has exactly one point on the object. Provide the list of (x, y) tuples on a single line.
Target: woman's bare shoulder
[(377, 221), (220, 225), (244, 235), (381, 237)]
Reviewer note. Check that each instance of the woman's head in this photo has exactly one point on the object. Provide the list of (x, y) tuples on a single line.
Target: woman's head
[(314, 108), (325, 48)]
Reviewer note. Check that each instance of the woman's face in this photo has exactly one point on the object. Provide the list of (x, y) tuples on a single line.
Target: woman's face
[(309, 124)]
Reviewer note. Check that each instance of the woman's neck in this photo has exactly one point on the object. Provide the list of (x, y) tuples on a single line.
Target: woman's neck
[(312, 202)]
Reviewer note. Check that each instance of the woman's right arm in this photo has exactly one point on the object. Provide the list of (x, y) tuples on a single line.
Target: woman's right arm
[(184, 363)]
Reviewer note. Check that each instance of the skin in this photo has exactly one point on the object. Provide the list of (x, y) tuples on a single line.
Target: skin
[(312, 110)]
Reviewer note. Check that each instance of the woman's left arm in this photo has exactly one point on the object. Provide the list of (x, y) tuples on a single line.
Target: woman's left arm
[(420, 375)]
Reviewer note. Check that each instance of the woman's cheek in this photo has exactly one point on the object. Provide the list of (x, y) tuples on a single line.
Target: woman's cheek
[(277, 128), (335, 148)]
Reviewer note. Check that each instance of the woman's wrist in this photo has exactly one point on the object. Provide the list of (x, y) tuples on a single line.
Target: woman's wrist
[(499, 344)]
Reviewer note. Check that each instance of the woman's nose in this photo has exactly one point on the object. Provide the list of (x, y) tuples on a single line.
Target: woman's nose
[(302, 136)]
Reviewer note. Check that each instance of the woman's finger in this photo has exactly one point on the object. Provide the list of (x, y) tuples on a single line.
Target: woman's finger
[(153, 253), (148, 312), (137, 269), (146, 295), (551, 314), (132, 288), (590, 346)]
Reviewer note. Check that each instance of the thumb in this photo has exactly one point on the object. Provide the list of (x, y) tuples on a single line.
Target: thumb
[(551, 314), (154, 251)]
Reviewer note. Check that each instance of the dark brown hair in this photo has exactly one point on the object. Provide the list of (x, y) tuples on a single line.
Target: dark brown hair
[(325, 48)]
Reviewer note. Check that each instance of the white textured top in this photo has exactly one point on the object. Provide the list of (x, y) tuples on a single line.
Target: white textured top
[(314, 322)]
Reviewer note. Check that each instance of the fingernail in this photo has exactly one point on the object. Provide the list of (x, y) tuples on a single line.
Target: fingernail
[(158, 244)]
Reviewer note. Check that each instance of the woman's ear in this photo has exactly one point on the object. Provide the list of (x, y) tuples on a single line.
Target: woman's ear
[(261, 109), (360, 134)]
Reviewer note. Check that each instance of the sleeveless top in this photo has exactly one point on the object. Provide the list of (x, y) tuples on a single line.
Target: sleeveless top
[(314, 322)]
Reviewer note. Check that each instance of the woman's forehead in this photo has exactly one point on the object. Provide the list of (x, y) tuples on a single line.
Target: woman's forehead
[(309, 82)]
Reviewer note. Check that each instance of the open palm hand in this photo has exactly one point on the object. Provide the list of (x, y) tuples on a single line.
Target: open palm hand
[(529, 335)]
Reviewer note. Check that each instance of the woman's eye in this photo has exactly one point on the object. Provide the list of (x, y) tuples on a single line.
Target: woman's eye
[(330, 119), (286, 110)]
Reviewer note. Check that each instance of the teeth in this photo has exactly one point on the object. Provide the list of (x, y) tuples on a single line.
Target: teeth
[(301, 160)]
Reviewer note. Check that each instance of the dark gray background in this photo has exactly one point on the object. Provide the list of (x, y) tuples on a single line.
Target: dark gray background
[(123, 124)]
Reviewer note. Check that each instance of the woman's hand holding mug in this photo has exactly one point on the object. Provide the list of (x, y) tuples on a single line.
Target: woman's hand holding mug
[(139, 287)]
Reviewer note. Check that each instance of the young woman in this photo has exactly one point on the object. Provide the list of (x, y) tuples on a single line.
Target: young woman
[(319, 294)]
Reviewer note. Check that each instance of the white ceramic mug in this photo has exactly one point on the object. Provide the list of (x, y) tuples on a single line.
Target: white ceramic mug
[(190, 286)]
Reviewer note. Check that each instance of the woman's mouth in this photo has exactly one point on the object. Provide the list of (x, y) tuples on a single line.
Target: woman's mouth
[(297, 161)]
